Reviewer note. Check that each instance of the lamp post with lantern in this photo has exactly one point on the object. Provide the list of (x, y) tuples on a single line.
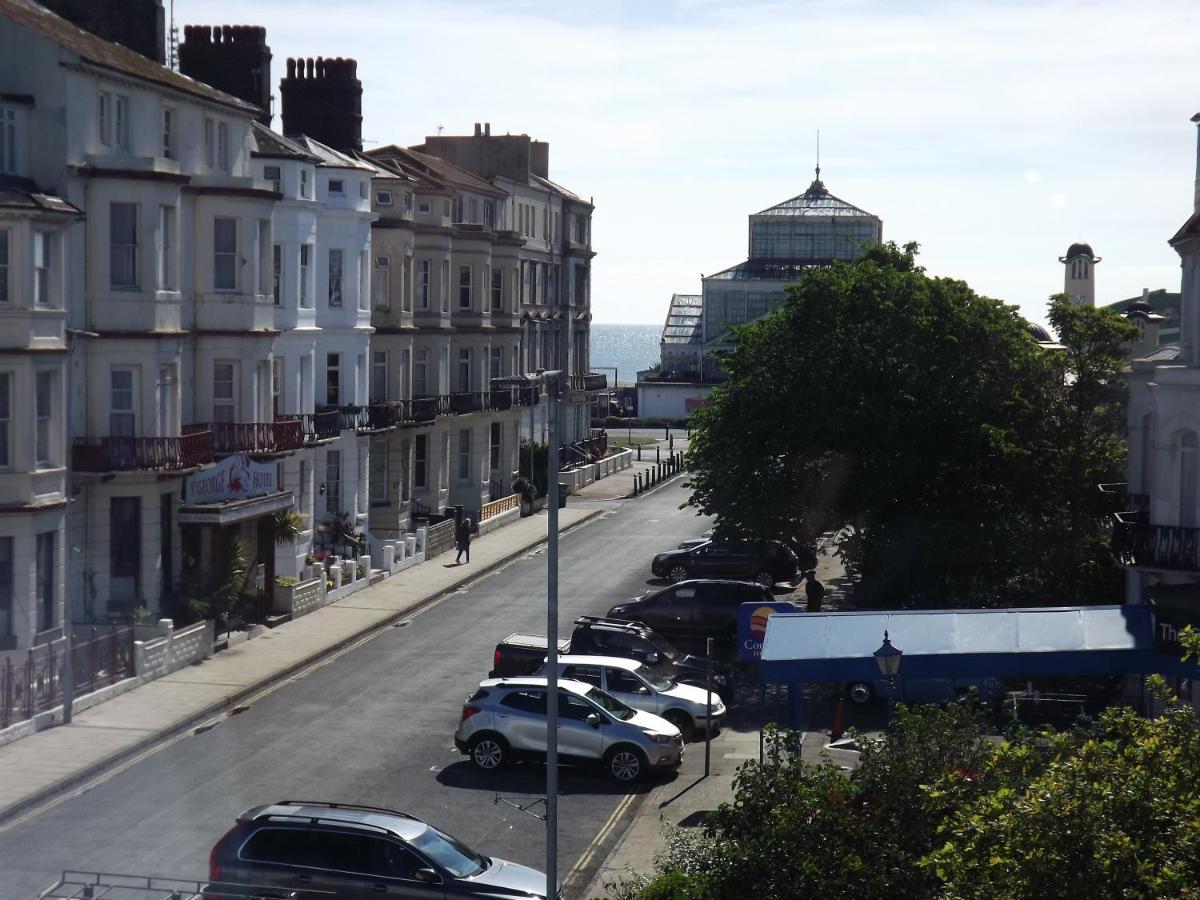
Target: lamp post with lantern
[(887, 658)]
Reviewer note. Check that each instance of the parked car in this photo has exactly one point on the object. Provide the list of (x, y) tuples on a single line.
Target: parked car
[(352, 851), (767, 563), (505, 720), (646, 688), (692, 543), (523, 654), (691, 611)]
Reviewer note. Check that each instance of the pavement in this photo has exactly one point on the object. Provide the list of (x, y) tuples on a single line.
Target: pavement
[(42, 765)]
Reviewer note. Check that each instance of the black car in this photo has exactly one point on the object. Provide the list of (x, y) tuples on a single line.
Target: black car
[(691, 611), (766, 563)]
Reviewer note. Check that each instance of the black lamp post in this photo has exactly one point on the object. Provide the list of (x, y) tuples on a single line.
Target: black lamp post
[(888, 659)]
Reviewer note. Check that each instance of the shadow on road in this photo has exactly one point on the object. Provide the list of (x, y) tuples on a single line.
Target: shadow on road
[(530, 778)]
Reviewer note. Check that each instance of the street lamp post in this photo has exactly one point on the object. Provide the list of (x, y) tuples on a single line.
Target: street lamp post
[(552, 381), (888, 659)]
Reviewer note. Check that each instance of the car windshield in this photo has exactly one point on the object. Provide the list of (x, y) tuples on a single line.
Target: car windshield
[(665, 649), (654, 678), (455, 857), (610, 704)]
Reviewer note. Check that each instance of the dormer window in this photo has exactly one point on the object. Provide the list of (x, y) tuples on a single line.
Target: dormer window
[(275, 177), (362, 190), (337, 187), (383, 198), (408, 202), (424, 207), (304, 184)]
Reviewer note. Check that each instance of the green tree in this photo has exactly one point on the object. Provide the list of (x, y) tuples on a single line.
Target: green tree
[(936, 809), (924, 421)]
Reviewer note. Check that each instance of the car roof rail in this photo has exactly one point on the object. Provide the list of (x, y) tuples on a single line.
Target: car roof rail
[(327, 820), (329, 805), (615, 623)]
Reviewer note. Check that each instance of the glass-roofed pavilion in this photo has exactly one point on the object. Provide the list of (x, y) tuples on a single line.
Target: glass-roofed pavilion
[(812, 229)]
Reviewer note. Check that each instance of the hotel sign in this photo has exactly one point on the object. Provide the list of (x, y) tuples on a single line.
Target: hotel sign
[(233, 478)]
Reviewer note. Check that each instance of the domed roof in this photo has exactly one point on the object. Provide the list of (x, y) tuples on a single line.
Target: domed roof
[(1080, 249), (1040, 334)]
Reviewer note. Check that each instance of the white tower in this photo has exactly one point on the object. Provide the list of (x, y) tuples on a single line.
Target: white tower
[(1079, 281)]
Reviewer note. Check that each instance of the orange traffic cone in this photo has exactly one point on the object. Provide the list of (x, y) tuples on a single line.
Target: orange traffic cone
[(839, 720)]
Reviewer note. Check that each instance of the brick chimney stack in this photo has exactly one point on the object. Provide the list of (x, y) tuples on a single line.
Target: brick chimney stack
[(139, 25), (231, 58), (322, 98)]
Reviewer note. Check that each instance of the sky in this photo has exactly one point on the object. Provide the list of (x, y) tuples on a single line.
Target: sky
[(993, 132)]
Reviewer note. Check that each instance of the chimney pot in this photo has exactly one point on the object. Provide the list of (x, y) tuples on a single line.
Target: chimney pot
[(478, 131), (487, 129)]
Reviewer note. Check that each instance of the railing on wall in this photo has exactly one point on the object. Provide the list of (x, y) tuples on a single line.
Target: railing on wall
[(35, 685), (496, 507)]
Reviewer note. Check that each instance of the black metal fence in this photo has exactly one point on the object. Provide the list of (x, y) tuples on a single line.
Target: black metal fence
[(35, 684)]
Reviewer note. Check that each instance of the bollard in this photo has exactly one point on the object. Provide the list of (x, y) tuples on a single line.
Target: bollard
[(667, 434), (637, 484), (639, 452), (671, 442), (657, 453)]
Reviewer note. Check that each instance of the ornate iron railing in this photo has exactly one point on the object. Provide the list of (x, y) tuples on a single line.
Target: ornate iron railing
[(1138, 543), (131, 454), (279, 436)]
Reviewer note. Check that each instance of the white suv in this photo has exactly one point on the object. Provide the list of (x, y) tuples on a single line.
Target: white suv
[(505, 720), (645, 688)]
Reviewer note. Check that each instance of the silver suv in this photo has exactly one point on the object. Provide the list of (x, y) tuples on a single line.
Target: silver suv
[(349, 851), (505, 720)]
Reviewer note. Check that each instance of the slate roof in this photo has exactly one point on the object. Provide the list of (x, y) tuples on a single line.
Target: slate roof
[(23, 194), (327, 156), (103, 53), (270, 144), (684, 320), (438, 171)]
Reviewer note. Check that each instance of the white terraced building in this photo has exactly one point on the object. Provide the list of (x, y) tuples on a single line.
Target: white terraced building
[(188, 303)]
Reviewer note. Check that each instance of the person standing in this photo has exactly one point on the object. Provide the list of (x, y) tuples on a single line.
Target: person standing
[(814, 590), (462, 540)]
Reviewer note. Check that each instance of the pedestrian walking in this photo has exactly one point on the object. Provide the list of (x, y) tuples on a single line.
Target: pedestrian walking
[(814, 590), (462, 540)]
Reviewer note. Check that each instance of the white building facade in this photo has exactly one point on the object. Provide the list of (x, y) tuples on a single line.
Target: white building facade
[(1158, 537)]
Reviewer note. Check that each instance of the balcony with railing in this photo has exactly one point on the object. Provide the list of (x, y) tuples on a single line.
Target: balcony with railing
[(1139, 543), (137, 454), (264, 438), (591, 382), (316, 427)]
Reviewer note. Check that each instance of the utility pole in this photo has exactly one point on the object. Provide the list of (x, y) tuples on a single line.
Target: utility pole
[(552, 390)]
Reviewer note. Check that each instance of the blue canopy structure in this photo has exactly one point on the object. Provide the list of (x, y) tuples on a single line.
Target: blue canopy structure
[(965, 643)]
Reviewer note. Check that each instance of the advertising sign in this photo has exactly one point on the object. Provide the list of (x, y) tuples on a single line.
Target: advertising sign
[(233, 478), (752, 626)]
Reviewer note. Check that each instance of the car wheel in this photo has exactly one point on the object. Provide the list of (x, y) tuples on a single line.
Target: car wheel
[(625, 764), (860, 692), (678, 573), (489, 752), (683, 722), (765, 578)]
